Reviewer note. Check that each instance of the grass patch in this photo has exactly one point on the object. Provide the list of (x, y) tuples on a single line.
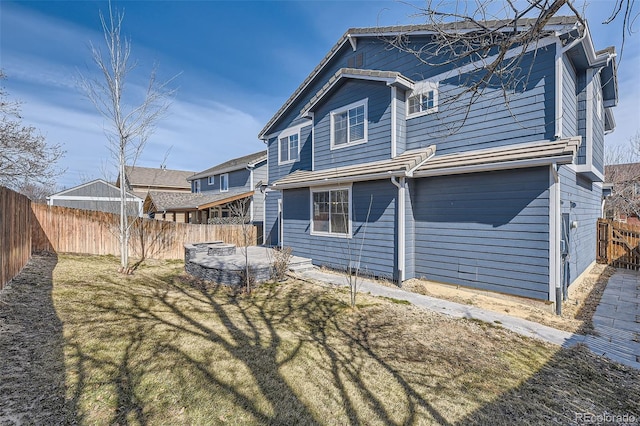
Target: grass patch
[(396, 301), (155, 348)]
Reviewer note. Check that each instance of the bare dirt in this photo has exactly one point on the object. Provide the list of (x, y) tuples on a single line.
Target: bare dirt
[(32, 374), (577, 310)]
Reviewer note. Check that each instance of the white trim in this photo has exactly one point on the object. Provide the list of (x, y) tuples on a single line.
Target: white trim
[(421, 88), (295, 128), (505, 165), (589, 118), (226, 175), (348, 188), (363, 102), (313, 141), (554, 244), (211, 180), (559, 75), (394, 108), (287, 134)]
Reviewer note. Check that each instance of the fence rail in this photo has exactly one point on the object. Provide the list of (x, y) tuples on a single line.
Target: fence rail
[(27, 227), (15, 238), (67, 230), (618, 244)]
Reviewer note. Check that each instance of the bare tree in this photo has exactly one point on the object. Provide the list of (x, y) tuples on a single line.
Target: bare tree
[(239, 210), (129, 124), (491, 39), (622, 171), (354, 254), (25, 156)]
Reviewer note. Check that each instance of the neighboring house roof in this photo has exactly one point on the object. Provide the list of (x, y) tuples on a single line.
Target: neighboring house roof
[(239, 163), (561, 151), (402, 165), (557, 23), (176, 201), (622, 172), (149, 177), (95, 188)]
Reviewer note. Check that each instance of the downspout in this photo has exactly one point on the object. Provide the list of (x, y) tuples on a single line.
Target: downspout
[(555, 231), (401, 226)]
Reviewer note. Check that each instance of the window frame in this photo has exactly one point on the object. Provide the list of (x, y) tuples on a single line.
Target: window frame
[(224, 177), (349, 233), (196, 186), (364, 103), (211, 180), (420, 89), (288, 133)]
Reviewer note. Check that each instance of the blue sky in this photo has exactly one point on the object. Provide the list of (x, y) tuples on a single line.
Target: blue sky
[(237, 63)]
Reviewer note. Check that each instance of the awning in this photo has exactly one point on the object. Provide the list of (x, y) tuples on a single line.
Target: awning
[(401, 166), (561, 151)]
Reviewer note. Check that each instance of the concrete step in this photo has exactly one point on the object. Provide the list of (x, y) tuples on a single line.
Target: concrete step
[(300, 264)]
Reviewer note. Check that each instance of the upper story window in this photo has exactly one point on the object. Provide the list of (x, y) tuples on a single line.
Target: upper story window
[(224, 182), (196, 186), (288, 147), (349, 125), (331, 212), (211, 180), (423, 100)]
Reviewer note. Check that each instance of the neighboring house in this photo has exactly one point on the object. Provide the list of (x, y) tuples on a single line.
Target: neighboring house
[(623, 203), (141, 180), (97, 195), (191, 207), (230, 180), (508, 203)]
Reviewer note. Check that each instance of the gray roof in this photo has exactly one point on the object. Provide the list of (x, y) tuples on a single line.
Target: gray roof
[(157, 178), (561, 151), (392, 78), (173, 201), (403, 29), (401, 165), (94, 188), (232, 165)]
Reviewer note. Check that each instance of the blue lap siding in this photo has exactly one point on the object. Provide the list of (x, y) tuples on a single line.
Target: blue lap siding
[(485, 230), (581, 199), (377, 236)]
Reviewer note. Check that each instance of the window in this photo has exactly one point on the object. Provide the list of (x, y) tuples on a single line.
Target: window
[(211, 180), (289, 148), (331, 212), (349, 125), (224, 182), (423, 100), (196, 186)]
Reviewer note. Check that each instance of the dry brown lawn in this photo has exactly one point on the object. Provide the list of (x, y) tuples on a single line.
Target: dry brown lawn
[(158, 348)]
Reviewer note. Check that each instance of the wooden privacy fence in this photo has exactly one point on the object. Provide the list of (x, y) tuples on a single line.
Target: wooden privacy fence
[(27, 227), (618, 244), (67, 230), (15, 235)]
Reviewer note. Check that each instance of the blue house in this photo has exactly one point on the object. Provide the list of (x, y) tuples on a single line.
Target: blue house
[(226, 183), (379, 160)]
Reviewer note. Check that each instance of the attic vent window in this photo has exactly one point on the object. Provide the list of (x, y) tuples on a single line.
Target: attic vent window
[(423, 100), (356, 61)]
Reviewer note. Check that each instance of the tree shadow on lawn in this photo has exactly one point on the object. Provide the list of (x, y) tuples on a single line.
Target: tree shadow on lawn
[(209, 345), (32, 372), (573, 387)]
